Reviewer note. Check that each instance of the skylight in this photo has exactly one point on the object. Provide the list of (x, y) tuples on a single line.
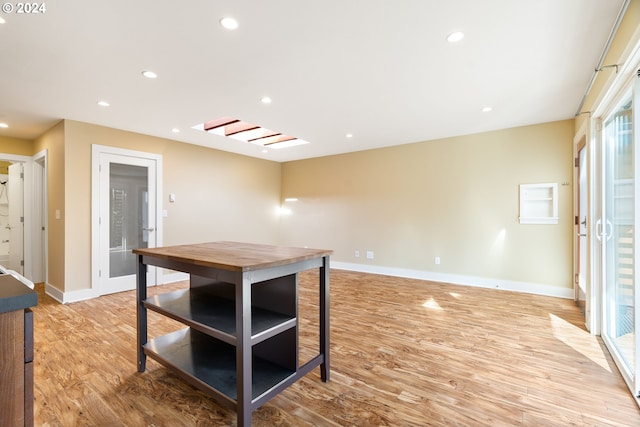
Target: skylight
[(248, 132)]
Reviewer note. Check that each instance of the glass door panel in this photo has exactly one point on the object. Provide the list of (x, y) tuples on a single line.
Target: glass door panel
[(128, 216), (617, 230)]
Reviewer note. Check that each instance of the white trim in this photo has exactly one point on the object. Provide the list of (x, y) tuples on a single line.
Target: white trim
[(53, 292), (592, 312), (96, 152), (176, 276), (635, 386), (456, 279), (86, 294), (15, 158), (69, 297), (27, 206), (623, 83), (595, 165), (42, 158)]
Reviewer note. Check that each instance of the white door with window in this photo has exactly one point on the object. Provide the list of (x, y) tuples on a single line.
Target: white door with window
[(126, 205)]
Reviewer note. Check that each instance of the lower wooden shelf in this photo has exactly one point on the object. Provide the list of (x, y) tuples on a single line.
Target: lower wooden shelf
[(210, 364)]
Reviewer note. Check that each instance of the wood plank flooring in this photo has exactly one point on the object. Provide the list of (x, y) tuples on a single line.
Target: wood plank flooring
[(404, 353)]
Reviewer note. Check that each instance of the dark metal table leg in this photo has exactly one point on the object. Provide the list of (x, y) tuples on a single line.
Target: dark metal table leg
[(324, 318), (141, 312)]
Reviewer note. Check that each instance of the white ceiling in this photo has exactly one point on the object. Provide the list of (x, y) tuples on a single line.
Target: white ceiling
[(381, 70)]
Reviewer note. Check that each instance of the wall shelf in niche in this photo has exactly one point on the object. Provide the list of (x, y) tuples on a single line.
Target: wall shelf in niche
[(539, 203)]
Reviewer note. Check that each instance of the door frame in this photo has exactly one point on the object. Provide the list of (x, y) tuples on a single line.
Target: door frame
[(31, 189), (626, 78), (38, 233), (16, 215), (580, 145), (582, 141), (630, 378), (96, 152)]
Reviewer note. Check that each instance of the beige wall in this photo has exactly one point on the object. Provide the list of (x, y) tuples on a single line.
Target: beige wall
[(625, 40), (454, 198), (218, 195), (18, 146), (53, 142)]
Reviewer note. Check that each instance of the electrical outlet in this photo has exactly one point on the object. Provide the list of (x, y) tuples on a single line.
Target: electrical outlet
[(369, 254), (357, 254), (437, 260)]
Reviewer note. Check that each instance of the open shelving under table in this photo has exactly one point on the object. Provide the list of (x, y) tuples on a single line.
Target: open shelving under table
[(240, 343)]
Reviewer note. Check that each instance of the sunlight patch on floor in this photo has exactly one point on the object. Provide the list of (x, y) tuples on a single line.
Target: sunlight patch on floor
[(432, 304), (579, 340)]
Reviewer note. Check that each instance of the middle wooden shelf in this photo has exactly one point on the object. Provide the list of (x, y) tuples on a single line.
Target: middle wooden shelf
[(202, 308)]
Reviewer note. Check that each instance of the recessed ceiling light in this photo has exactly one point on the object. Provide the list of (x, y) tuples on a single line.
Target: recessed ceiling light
[(229, 23), (265, 100), (175, 130), (2, 21), (265, 151), (487, 109), (349, 135), (4, 125), (149, 74), (455, 37), (103, 103)]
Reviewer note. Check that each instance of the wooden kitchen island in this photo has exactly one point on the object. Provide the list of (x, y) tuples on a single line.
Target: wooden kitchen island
[(240, 344)]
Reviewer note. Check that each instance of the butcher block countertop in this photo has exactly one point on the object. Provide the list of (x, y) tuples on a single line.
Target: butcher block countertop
[(234, 256)]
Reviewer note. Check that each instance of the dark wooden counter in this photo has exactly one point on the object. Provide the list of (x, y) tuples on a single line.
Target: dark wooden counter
[(15, 295), (16, 352)]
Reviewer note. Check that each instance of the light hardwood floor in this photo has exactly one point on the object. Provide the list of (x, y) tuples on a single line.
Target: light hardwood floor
[(404, 353)]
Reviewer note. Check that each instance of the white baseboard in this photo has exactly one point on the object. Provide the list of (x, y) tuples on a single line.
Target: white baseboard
[(483, 282), (85, 294), (53, 292), (176, 276), (67, 297)]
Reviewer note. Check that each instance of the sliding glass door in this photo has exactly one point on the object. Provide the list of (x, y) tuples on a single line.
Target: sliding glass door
[(616, 230)]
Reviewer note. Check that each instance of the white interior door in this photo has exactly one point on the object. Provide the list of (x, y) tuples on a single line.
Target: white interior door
[(15, 191), (39, 225), (127, 218), (581, 232)]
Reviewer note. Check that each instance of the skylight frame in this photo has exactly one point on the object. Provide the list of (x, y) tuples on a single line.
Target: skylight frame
[(240, 130)]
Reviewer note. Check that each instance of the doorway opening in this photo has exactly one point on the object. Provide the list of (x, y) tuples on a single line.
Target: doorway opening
[(12, 216), (23, 222)]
